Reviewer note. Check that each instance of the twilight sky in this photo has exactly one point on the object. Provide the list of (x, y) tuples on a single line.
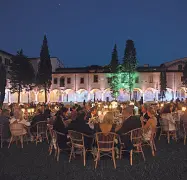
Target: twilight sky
[(83, 32)]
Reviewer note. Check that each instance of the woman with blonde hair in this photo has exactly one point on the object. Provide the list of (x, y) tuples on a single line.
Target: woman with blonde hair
[(18, 118), (107, 124), (150, 125)]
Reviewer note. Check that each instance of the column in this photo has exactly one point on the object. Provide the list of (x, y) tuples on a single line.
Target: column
[(36, 96)]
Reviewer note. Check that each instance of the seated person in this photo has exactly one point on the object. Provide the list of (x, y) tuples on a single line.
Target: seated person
[(39, 116), (143, 115), (150, 126), (130, 122), (59, 126), (81, 126), (107, 124)]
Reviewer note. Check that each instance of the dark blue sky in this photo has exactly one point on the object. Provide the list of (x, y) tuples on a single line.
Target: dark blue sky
[(83, 32)]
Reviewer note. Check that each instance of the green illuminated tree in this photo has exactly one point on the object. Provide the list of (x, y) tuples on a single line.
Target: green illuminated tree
[(21, 73), (163, 82), (44, 76), (130, 65)]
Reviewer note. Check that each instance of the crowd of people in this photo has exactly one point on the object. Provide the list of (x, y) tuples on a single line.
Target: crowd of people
[(80, 118)]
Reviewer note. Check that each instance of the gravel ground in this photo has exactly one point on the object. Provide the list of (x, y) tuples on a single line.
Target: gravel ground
[(34, 163)]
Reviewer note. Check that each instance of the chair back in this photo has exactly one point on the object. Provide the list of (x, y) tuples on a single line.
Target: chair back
[(50, 128), (185, 127), (164, 124), (105, 142), (1, 130), (41, 127), (77, 138), (56, 137), (136, 136), (17, 129)]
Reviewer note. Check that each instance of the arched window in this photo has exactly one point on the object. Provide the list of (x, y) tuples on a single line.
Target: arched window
[(62, 82)]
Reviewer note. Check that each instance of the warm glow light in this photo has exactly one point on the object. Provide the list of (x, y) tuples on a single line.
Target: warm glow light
[(131, 103), (99, 113), (23, 110), (183, 108), (105, 106), (162, 105)]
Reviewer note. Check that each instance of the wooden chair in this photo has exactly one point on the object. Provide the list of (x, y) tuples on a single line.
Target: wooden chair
[(105, 145), (185, 131), (151, 141), (135, 136), (56, 135), (164, 125), (17, 131), (51, 145), (41, 131), (1, 134), (77, 142)]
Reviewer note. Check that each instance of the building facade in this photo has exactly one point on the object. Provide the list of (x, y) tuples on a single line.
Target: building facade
[(89, 83)]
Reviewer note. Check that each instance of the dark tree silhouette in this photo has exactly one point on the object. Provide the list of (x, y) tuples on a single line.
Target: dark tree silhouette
[(163, 83), (44, 75), (2, 82), (130, 64), (21, 73)]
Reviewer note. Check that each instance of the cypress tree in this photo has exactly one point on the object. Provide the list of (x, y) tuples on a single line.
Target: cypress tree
[(130, 64), (3, 82), (44, 75)]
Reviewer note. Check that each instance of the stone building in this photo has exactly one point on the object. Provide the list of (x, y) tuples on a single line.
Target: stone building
[(89, 83)]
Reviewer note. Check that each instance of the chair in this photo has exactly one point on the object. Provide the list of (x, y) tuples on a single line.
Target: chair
[(185, 131), (135, 136), (56, 135), (50, 130), (164, 124), (151, 141), (41, 131), (77, 142), (17, 131), (105, 145), (1, 134)]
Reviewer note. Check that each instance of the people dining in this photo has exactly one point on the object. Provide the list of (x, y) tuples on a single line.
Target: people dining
[(151, 124), (81, 126), (18, 118), (166, 115), (129, 123), (107, 124), (60, 126), (143, 114)]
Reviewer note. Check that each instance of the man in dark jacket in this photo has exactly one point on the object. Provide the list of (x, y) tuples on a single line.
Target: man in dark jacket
[(130, 122)]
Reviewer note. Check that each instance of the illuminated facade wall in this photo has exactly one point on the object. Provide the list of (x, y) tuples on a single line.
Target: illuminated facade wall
[(77, 85)]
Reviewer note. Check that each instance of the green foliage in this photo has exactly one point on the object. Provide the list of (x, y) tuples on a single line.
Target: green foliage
[(123, 76), (184, 78), (3, 82), (21, 73), (114, 61), (44, 76)]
